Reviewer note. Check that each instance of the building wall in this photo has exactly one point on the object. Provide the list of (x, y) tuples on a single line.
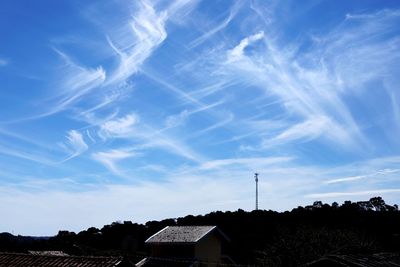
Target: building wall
[(173, 251), (209, 250)]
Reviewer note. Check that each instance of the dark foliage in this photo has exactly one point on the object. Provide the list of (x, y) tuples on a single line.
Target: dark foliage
[(264, 238)]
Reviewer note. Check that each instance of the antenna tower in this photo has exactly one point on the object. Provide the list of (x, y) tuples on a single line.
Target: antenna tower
[(256, 178)]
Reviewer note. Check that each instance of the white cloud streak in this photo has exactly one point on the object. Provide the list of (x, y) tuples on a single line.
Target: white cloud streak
[(177, 120), (147, 32), (238, 51), (229, 118), (217, 28), (276, 73), (313, 85), (251, 163), (76, 83), (360, 177), (310, 129), (75, 145), (172, 145), (110, 158), (127, 127), (121, 127)]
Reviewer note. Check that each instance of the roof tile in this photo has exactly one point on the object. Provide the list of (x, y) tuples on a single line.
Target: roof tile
[(29, 260), (180, 234)]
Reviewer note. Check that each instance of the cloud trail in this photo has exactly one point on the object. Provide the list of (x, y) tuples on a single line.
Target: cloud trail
[(110, 158), (217, 28), (120, 127), (360, 177), (75, 145), (147, 32)]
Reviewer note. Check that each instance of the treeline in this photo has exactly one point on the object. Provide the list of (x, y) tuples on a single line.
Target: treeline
[(265, 238)]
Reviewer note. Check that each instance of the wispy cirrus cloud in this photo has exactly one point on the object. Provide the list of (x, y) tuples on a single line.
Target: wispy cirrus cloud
[(216, 28), (238, 51), (372, 177), (75, 145), (172, 145), (313, 128), (360, 177), (120, 127), (279, 77), (76, 82), (144, 136), (315, 83), (142, 34), (251, 163), (229, 118), (146, 32), (110, 158), (179, 119)]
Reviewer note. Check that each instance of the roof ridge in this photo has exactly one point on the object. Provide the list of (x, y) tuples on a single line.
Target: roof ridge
[(156, 233), (182, 234), (205, 234)]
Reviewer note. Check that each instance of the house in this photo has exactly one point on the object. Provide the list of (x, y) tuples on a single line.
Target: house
[(185, 246), (35, 260)]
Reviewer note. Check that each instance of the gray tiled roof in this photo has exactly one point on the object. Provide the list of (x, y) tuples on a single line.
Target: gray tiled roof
[(181, 234), (375, 260), (29, 260), (47, 253)]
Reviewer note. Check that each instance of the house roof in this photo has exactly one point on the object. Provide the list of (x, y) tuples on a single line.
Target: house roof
[(183, 234), (375, 260), (29, 260), (47, 252)]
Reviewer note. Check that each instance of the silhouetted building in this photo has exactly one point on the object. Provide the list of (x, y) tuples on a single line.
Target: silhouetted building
[(31, 260), (185, 246)]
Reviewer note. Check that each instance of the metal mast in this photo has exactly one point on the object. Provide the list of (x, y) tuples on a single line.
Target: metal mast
[(256, 178)]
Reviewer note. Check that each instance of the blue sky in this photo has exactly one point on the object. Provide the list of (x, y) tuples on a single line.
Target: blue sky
[(141, 110)]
